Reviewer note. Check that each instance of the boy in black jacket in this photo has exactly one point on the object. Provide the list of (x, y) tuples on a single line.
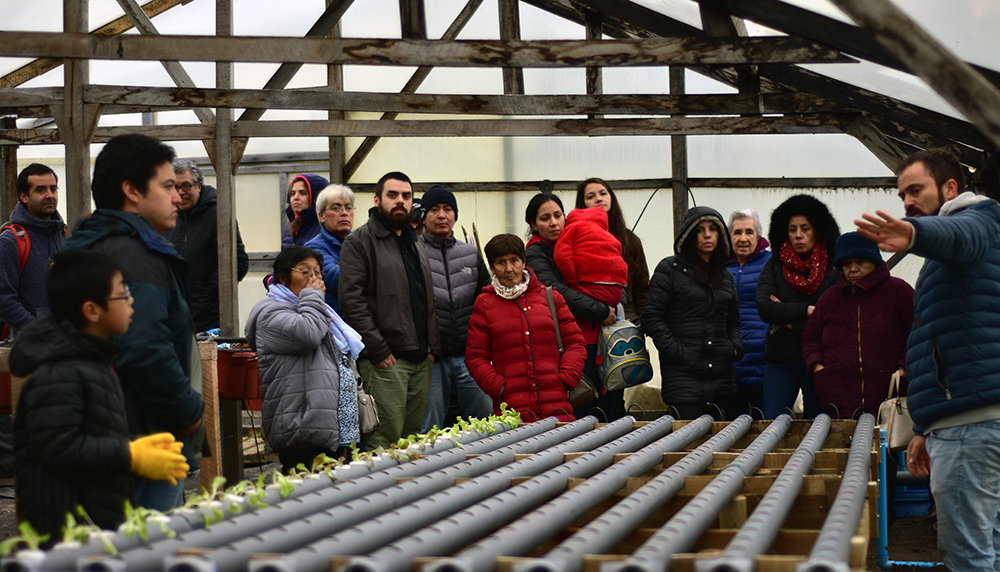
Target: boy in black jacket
[(71, 438)]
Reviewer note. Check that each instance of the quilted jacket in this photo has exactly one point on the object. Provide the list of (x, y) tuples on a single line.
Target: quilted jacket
[(299, 380), (459, 275), (586, 252), (513, 355), (753, 330)]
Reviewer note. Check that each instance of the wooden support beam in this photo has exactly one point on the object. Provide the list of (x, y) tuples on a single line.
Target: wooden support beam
[(284, 74), (459, 128), (595, 76), (717, 23), (884, 148), (953, 79), (418, 77), (467, 53), (8, 173), (335, 81), (37, 67), (72, 118), (412, 20), (510, 29), (678, 156), (133, 99)]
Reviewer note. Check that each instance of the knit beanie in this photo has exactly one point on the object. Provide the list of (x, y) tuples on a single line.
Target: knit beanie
[(436, 195), (853, 245)]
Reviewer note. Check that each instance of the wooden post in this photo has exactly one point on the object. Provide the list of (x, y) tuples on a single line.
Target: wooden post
[(335, 80), (595, 79), (226, 220), (953, 79), (8, 172), (412, 20), (72, 119), (678, 156), (510, 29), (211, 467)]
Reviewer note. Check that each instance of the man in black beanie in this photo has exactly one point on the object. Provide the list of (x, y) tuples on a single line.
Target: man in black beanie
[(459, 275)]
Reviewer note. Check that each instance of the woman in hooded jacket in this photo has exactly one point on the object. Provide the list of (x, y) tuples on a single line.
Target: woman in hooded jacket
[(303, 223), (692, 314), (803, 234)]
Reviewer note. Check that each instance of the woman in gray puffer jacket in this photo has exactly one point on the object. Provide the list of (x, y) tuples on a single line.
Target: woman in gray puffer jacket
[(307, 384)]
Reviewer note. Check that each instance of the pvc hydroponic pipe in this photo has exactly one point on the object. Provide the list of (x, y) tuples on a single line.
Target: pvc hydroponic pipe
[(150, 557), (832, 548), (759, 531), (521, 536), (452, 533), (185, 520), (604, 533), (684, 529), (373, 534), (319, 525)]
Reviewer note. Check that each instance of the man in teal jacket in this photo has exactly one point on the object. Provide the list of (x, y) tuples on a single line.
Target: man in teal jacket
[(133, 188), (953, 352)]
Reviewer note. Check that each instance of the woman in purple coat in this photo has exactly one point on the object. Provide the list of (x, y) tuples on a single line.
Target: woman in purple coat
[(856, 337)]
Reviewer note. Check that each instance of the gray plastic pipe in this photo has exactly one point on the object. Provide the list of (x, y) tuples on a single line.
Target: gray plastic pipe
[(832, 549), (375, 533), (468, 525), (294, 535), (185, 520), (150, 557), (604, 533), (521, 536), (684, 529), (759, 531)]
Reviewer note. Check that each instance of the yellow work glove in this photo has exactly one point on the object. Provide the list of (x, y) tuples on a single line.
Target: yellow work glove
[(158, 457)]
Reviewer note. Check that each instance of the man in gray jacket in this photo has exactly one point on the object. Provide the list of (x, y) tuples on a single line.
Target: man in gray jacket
[(386, 295), (459, 275)]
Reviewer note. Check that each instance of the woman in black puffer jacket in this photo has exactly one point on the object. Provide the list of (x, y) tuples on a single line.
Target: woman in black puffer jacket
[(692, 314), (802, 235)]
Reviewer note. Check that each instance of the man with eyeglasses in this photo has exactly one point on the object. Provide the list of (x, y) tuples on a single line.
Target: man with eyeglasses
[(196, 239), (335, 210), (387, 295)]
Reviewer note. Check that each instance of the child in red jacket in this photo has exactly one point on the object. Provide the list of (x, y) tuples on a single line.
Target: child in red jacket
[(590, 258)]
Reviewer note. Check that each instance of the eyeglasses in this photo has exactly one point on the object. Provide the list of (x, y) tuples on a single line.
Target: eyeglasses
[(125, 296), (185, 186), (340, 208), (307, 273)]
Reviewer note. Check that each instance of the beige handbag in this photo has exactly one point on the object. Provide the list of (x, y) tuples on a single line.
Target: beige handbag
[(368, 420), (585, 391), (894, 417)]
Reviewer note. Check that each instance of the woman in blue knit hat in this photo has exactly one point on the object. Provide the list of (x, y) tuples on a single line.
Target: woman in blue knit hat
[(856, 337)]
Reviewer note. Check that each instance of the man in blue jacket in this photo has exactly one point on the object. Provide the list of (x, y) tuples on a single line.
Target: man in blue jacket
[(158, 364), (953, 352)]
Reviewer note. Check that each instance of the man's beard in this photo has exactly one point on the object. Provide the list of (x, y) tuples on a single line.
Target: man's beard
[(917, 213), (392, 221)]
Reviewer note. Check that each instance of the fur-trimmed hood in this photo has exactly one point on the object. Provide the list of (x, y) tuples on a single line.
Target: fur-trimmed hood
[(697, 215), (813, 209)]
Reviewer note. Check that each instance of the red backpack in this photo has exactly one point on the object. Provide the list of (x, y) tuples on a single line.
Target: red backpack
[(23, 250)]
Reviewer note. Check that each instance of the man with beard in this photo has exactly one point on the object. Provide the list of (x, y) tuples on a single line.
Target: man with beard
[(387, 295), (35, 222), (953, 352)]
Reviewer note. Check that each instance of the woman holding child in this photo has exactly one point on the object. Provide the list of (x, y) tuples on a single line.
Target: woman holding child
[(307, 382), (692, 315)]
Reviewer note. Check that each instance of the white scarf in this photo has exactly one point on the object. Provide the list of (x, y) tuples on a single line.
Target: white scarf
[(512, 292)]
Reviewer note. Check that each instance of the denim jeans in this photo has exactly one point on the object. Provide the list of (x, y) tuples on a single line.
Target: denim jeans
[(158, 495), (965, 482), (451, 375), (782, 382)]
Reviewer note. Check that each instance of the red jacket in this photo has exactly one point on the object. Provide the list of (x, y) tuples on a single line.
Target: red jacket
[(586, 252), (513, 356)]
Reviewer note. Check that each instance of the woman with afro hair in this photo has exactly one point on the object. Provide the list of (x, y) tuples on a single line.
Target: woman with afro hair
[(802, 235)]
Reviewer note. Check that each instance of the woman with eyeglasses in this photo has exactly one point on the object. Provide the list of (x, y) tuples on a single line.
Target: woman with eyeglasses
[(335, 209), (305, 349)]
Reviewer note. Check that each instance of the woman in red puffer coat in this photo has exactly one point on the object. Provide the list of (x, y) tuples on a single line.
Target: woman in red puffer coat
[(512, 351)]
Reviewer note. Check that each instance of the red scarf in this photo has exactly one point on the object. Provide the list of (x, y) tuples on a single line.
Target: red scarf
[(804, 275)]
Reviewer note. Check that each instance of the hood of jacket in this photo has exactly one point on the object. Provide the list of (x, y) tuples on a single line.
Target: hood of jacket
[(697, 215), (110, 222), (21, 216), (315, 184), (46, 340), (961, 202), (815, 211), (595, 215)]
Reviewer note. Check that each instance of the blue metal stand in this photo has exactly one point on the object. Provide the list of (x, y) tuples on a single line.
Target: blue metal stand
[(883, 516)]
